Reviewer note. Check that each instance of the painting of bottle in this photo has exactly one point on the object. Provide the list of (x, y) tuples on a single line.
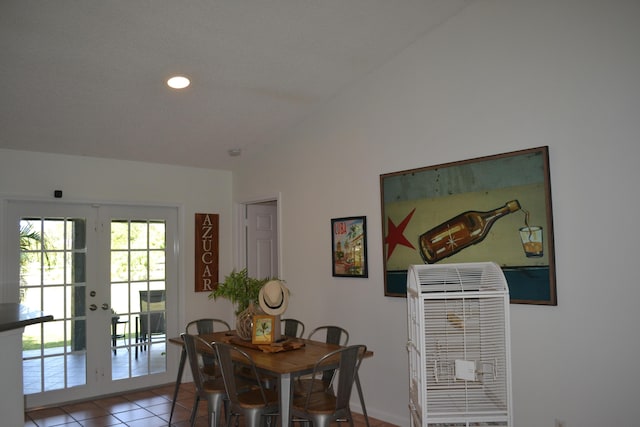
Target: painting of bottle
[(461, 231)]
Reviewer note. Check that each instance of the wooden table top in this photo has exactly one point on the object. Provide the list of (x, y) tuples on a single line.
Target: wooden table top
[(298, 360)]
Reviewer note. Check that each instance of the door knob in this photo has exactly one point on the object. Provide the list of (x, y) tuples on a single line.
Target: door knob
[(105, 306), (93, 307)]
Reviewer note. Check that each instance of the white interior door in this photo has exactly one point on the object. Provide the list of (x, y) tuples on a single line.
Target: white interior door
[(88, 266), (262, 239)]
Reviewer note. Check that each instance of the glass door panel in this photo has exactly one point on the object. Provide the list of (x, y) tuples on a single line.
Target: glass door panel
[(138, 297), (52, 280)]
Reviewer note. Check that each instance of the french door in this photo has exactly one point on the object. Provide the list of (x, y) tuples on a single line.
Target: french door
[(108, 275)]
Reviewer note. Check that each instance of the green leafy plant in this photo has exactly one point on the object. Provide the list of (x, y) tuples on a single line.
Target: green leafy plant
[(239, 288), (30, 240)]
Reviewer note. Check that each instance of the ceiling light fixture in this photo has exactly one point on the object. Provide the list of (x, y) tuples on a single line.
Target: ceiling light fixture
[(178, 82), (235, 152)]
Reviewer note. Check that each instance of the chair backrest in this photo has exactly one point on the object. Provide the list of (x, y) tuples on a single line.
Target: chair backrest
[(226, 356), (350, 359), (207, 326), (195, 346), (333, 334), (293, 328), (152, 312)]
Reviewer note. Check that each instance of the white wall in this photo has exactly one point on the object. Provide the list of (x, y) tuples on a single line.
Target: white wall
[(500, 76), (84, 179)]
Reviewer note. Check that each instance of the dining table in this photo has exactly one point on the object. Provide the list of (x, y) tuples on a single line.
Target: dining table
[(286, 360)]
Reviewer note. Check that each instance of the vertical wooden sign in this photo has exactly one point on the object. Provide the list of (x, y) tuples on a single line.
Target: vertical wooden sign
[(206, 240)]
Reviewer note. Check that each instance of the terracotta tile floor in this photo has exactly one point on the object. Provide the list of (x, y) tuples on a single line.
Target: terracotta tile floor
[(148, 408)]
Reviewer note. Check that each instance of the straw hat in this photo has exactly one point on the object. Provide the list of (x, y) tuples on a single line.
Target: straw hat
[(273, 297)]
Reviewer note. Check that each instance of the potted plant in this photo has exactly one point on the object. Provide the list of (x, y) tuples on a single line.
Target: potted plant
[(243, 292), (239, 288)]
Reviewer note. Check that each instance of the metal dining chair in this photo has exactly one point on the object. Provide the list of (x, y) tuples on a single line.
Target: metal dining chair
[(292, 328), (207, 326), (210, 361), (210, 365), (255, 403), (331, 335), (321, 408), (211, 389)]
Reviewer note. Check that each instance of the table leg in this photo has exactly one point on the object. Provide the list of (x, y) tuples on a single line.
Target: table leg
[(183, 359), (285, 399), (364, 408)]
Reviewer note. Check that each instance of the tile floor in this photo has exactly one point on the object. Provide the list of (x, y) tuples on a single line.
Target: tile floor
[(149, 408), (61, 363)]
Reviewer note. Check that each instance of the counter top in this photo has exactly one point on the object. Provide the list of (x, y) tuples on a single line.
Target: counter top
[(15, 316)]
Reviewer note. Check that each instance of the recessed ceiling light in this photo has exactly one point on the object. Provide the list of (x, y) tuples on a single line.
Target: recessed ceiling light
[(178, 82)]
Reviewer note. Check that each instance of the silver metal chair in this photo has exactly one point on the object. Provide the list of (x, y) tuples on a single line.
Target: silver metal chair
[(256, 404), (292, 328), (206, 326), (210, 366), (213, 390), (331, 335), (321, 408)]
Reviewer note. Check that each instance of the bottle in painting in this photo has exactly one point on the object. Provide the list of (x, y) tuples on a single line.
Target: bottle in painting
[(461, 231)]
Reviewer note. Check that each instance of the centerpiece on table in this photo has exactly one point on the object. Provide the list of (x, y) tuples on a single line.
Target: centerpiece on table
[(243, 291), (274, 300)]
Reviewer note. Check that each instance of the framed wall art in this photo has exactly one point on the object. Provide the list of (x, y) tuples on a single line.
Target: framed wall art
[(349, 247), (207, 233), (494, 208), (263, 329)]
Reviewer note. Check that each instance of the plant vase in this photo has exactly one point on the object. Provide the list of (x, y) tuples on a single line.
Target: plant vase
[(244, 321)]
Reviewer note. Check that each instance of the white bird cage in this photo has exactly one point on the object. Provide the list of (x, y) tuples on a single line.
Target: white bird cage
[(459, 345)]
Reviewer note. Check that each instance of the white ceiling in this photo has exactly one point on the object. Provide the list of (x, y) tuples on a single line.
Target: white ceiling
[(87, 77)]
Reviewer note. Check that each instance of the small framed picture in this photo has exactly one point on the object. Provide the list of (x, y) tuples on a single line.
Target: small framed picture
[(349, 246), (263, 329)]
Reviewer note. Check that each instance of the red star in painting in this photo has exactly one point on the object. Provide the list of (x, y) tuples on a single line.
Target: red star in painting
[(395, 235)]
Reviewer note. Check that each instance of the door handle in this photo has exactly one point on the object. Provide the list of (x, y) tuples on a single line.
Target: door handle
[(93, 307), (105, 306)]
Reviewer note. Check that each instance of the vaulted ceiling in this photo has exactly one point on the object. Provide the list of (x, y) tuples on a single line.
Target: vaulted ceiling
[(88, 77)]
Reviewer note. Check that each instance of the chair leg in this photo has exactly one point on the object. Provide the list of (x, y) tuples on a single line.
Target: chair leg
[(194, 411), (252, 419), (215, 405), (227, 415)]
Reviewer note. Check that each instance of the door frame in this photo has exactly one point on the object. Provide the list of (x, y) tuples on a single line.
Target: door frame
[(240, 229)]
